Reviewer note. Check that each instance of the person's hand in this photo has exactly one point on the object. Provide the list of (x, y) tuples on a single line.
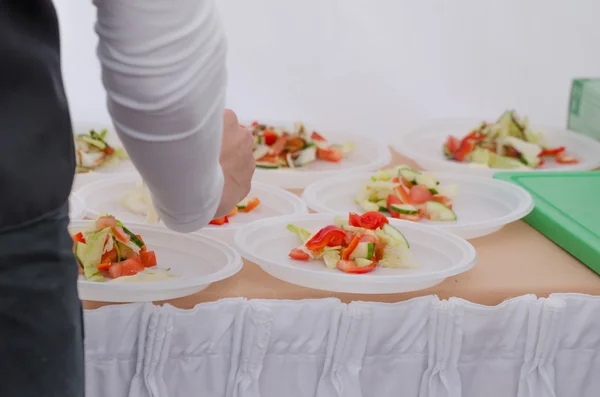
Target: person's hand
[(237, 163)]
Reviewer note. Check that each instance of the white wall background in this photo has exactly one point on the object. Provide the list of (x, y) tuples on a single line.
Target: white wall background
[(379, 66)]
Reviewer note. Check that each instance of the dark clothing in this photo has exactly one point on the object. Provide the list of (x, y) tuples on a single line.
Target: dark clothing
[(41, 342), (37, 159)]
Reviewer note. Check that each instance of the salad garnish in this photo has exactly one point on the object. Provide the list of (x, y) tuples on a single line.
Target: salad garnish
[(276, 147), (92, 151), (356, 244), (110, 249), (139, 201), (405, 193), (509, 143)]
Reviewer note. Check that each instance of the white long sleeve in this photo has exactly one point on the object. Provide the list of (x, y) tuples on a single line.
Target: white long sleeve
[(163, 67)]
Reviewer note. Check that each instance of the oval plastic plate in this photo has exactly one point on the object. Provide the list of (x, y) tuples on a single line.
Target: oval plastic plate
[(76, 207), (368, 155), (195, 260), (424, 145), (441, 255), (102, 197), (482, 206)]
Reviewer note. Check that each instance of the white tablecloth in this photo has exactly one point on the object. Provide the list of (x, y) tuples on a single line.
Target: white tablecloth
[(426, 347)]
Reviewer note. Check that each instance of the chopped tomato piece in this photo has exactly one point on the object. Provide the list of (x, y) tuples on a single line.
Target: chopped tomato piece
[(452, 144), (552, 152), (120, 235), (419, 194), (104, 265), (255, 124), (354, 219), (110, 256), (108, 150), (512, 152), (252, 204), (233, 212), (270, 137), (219, 221), (269, 158), (349, 237), (315, 136), (563, 158), (329, 236), (379, 247), (402, 194), (465, 148), (78, 238), (351, 247), (330, 154), (299, 255), (353, 268), (372, 220), (392, 199), (542, 162), (447, 201), (148, 258), (106, 221), (395, 180), (128, 267), (279, 145)]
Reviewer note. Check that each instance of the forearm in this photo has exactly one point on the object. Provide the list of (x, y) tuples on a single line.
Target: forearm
[(163, 66)]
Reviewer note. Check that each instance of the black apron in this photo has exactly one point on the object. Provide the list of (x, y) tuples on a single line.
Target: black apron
[(41, 335)]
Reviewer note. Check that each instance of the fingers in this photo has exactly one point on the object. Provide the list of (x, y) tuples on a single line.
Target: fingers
[(230, 118)]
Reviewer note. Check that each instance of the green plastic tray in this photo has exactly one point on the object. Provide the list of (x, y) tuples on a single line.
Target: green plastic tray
[(567, 210)]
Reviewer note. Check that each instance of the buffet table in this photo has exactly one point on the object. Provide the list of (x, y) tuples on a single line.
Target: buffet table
[(504, 328)]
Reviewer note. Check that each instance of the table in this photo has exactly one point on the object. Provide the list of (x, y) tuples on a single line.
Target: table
[(515, 261), (253, 335)]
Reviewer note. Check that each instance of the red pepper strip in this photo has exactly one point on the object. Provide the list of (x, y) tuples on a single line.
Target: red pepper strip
[(354, 219), (474, 135), (219, 221), (353, 268), (351, 247), (329, 236), (465, 149), (563, 158), (552, 152)]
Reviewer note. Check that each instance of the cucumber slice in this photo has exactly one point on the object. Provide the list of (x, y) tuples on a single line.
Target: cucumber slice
[(363, 250), (265, 165), (439, 212), (408, 174), (361, 262), (427, 180), (306, 156), (94, 142), (405, 209), (395, 235), (134, 238)]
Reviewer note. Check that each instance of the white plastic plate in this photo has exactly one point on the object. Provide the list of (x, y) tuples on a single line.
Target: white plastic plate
[(369, 155), (482, 206), (424, 145), (102, 197), (441, 255), (106, 171), (196, 261), (76, 207)]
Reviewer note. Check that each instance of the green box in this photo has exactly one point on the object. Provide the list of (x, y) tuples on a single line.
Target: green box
[(584, 107)]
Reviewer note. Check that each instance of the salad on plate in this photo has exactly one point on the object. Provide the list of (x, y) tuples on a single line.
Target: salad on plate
[(509, 143), (109, 250), (139, 202), (276, 147), (408, 194), (356, 244), (92, 151)]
